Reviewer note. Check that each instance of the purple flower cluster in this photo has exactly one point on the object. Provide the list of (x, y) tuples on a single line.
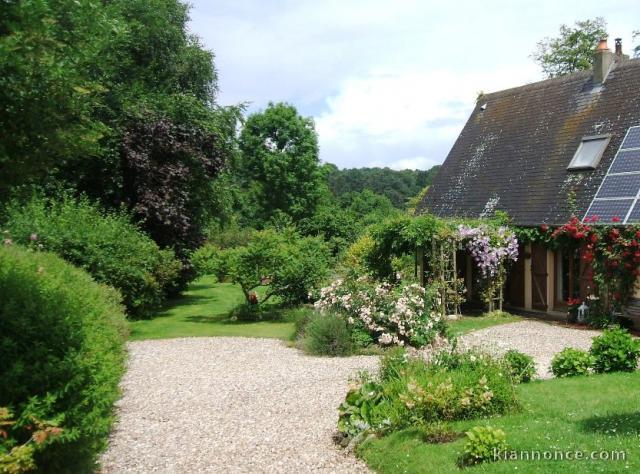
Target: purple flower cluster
[(489, 249)]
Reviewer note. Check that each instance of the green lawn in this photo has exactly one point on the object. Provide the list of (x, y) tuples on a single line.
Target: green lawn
[(203, 310), (471, 323), (583, 413)]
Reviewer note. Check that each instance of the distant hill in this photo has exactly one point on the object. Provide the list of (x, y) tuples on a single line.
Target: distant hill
[(398, 186)]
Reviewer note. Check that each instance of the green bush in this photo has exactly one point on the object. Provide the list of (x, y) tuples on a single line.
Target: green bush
[(207, 260), (570, 362), (615, 351), (410, 392), (290, 265), (301, 320), (107, 246), (62, 355), (328, 336), (436, 433), (521, 366), (484, 443)]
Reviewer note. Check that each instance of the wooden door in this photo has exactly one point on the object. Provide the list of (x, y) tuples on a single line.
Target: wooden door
[(539, 277), (515, 280)]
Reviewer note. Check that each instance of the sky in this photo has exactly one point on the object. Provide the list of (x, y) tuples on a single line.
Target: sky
[(388, 83)]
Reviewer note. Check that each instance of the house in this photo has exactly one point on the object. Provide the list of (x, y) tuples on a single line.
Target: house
[(541, 153)]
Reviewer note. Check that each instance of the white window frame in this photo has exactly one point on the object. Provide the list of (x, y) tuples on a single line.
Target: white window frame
[(594, 163)]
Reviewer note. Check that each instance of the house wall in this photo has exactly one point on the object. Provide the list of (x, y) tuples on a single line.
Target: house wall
[(548, 258)]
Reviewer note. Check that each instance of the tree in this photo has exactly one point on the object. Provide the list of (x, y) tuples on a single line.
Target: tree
[(636, 50), (396, 185), (279, 164), (47, 95), (167, 174), (572, 50), (289, 264)]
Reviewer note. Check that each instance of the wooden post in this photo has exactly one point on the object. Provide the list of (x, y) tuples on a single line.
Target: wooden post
[(420, 254)]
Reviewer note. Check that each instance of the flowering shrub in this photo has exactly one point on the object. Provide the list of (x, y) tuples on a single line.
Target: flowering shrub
[(612, 253), (390, 314), (491, 250)]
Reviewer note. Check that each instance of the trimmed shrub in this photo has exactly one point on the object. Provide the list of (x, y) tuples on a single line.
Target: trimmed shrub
[(615, 351), (484, 443), (571, 362), (327, 336), (61, 355), (107, 246), (521, 366)]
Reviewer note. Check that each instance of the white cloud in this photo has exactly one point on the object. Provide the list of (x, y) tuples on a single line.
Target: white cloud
[(419, 111), (386, 81)]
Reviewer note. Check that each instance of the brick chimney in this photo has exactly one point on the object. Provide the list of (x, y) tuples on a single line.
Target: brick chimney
[(619, 54), (602, 61)]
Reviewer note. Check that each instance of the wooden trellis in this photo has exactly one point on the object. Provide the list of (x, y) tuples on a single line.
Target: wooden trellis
[(441, 265)]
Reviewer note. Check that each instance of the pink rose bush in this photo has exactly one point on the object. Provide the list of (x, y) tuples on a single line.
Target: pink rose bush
[(398, 315)]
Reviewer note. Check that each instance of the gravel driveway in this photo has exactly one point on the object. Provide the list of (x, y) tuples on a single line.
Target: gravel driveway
[(230, 405), (537, 339), (255, 405)]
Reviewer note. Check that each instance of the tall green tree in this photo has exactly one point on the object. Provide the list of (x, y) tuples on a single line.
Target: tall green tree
[(279, 164), (48, 96), (116, 100), (572, 50)]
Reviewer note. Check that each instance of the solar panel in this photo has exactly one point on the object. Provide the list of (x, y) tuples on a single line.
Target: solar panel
[(620, 185), (632, 140), (606, 209), (627, 160), (634, 217), (619, 192)]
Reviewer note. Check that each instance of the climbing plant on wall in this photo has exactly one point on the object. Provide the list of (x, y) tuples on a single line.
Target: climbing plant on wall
[(435, 241), (613, 252)]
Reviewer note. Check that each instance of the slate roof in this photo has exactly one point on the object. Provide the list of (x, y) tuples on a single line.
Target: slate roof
[(513, 156)]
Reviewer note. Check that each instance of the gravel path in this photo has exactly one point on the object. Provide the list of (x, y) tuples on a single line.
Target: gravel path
[(254, 405), (230, 405), (538, 339)]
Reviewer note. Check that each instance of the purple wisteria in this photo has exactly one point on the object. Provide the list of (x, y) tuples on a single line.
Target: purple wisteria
[(489, 248)]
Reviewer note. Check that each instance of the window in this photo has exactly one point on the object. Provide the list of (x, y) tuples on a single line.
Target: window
[(589, 152)]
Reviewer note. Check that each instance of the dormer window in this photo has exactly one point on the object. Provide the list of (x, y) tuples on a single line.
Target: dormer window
[(589, 152)]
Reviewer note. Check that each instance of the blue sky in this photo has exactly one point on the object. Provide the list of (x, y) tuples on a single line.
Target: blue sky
[(388, 83)]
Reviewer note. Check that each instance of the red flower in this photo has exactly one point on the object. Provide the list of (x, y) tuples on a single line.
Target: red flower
[(638, 234), (615, 219), (595, 218), (544, 227), (593, 238), (614, 233), (579, 235)]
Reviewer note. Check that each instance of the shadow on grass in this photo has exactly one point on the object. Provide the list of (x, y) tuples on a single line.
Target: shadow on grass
[(223, 319), (615, 424)]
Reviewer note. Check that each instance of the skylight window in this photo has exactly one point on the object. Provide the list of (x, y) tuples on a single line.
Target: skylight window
[(589, 152)]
